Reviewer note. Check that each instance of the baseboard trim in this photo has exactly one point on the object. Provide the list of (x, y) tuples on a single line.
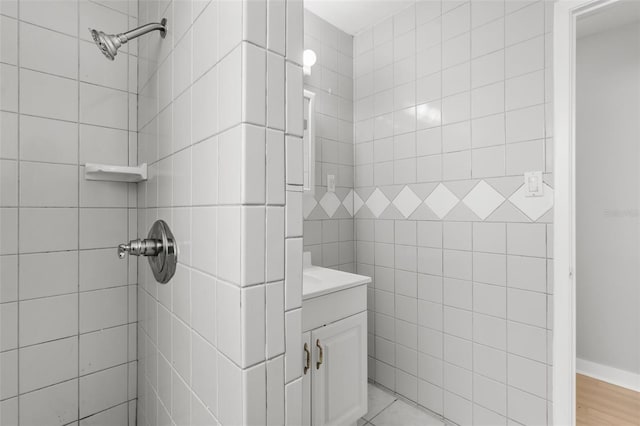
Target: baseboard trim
[(615, 376)]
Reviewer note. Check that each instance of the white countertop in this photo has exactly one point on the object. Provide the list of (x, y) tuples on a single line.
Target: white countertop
[(317, 281)]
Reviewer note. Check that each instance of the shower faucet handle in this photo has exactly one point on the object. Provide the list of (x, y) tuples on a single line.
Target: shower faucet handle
[(161, 250), (138, 247)]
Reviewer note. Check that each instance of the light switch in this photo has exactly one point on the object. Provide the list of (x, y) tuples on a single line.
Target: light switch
[(331, 183), (533, 184)]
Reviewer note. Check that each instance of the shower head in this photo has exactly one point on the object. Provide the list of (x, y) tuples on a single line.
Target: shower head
[(110, 43)]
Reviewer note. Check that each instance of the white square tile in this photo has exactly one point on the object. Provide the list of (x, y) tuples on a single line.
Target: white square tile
[(229, 26), (230, 244), (229, 401), (230, 87), (205, 382), (92, 70), (275, 319), (275, 169), (48, 185), (63, 17), (276, 17), (49, 229), (104, 389), (182, 64), (487, 38), (293, 343), (59, 270), (9, 316), (36, 407), (103, 349), (48, 318), (9, 365), (203, 305), (230, 166), (204, 174), (103, 308), (205, 44), (524, 24), (49, 51), (9, 41), (204, 106), (293, 214), (254, 395), (253, 320), (9, 135), (295, 31), (294, 100), (101, 144), (275, 391), (524, 91), (293, 273), (9, 277), (103, 107), (275, 257), (101, 228), (293, 403), (253, 77), (9, 90), (47, 96), (229, 323), (181, 357), (204, 253), (275, 89), (526, 408)]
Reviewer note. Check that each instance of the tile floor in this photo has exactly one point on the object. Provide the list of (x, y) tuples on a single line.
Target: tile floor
[(385, 409)]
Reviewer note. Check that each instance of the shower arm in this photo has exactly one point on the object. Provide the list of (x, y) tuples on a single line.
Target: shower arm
[(144, 29)]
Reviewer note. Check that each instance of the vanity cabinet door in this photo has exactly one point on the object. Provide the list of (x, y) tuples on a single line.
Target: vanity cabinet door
[(306, 379), (339, 378)]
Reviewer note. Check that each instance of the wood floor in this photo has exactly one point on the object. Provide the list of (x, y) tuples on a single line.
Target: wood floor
[(602, 404)]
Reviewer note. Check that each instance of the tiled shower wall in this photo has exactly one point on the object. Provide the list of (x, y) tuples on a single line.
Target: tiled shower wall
[(220, 119), (68, 304), (452, 101), (328, 225)]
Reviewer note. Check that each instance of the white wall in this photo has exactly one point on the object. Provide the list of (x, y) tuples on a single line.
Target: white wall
[(220, 119), (451, 107), (608, 198), (68, 303)]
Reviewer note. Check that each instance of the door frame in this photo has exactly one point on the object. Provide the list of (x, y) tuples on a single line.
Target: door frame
[(566, 13)]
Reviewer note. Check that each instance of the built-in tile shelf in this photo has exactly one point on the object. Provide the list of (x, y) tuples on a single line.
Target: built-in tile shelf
[(115, 173)]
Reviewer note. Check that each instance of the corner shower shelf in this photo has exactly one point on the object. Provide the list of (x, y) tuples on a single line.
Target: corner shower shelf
[(107, 172)]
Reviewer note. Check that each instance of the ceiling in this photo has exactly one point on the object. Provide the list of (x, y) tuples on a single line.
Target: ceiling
[(353, 16), (617, 15)]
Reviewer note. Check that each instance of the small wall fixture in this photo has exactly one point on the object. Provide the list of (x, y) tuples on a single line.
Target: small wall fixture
[(308, 60), (110, 43)]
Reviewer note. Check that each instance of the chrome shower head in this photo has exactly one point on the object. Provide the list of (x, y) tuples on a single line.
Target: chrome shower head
[(110, 43), (107, 43)]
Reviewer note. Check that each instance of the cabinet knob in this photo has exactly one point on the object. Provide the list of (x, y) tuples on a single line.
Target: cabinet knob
[(320, 355)]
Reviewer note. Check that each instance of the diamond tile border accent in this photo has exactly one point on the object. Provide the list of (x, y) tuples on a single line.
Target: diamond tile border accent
[(533, 207), (407, 202), (308, 204), (348, 202), (441, 201), (330, 203), (357, 203), (377, 202), (483, 199)]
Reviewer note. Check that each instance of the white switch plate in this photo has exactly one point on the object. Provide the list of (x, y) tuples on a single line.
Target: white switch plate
[(331, 183), (533, 184)]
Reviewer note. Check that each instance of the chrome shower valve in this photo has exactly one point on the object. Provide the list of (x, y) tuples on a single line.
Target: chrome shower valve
[(146, 247), (160, 247)]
